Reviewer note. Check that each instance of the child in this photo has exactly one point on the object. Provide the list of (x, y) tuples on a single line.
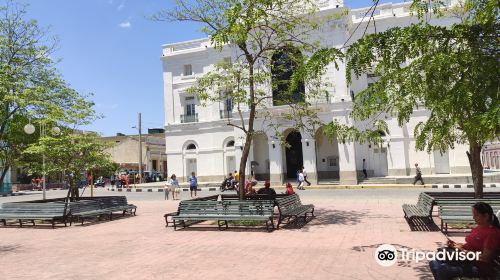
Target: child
[(174, 185), (193, 184), (289, 189)]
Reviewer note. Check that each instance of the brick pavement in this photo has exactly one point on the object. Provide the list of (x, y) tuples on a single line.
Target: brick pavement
[(338, 244)]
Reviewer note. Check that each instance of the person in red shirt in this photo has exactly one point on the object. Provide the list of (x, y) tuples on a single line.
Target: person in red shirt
[(289, 189), (484, 238)]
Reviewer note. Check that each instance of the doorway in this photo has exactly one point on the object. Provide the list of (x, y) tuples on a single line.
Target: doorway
[(294, 158), (380, 167), (441, 162), (190, 167)]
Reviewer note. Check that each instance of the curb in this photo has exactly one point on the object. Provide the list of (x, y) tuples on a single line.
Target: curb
[(331, 187), (210, 189), (463, 186)]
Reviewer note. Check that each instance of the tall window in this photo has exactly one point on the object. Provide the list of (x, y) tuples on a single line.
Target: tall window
[(190, 106), (229, 104), (284, 63), (188, 70)]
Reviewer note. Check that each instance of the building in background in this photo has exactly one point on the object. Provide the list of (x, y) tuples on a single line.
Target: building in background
[(199, 139), (125, 151), (491, 155)]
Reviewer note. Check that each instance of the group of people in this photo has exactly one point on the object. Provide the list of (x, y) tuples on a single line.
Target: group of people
[(172, 186), (121, 180), (36, 183)]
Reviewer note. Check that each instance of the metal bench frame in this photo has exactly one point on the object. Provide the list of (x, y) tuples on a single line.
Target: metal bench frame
[(291, 207), (224, 211)]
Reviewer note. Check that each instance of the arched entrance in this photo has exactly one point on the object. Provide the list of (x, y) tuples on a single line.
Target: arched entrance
[(293, 153)]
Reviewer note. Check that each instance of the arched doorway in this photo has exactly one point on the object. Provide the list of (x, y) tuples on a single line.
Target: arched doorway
[(293, 153)]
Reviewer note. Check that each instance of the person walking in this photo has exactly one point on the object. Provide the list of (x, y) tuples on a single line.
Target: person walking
[(174, 184), (418, 176), (166, 189), (305, 176), (300, 177), (364, 169), (126, 180), (193, 184)]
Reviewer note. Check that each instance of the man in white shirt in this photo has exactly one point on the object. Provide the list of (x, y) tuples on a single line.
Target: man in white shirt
[(300, 178), (305, 176)]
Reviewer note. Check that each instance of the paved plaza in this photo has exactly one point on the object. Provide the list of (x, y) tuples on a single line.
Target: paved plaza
[(338, 244)]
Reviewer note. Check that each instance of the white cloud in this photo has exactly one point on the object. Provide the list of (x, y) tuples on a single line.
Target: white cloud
[(121, 6), (125, 24)]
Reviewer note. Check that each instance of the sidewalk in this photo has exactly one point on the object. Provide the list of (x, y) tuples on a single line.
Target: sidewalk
[(338, 244)]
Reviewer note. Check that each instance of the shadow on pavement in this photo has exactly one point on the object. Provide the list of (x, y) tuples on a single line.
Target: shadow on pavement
[(422, 224), (95, 221), (422, 268), (9, 248), (325, 217)]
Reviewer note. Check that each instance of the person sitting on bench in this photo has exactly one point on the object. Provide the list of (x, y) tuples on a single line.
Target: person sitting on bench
[(267, 189), (484, 238)]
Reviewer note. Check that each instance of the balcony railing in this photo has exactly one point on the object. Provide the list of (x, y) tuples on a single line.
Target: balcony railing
[(225, 114), (189, 118)]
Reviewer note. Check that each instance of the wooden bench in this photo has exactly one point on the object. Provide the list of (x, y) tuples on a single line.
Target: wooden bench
[(224, 211), (290, 206), (423, 208), (53, 212), (460, 211), (203, 198), (116, 204), (83, 209)]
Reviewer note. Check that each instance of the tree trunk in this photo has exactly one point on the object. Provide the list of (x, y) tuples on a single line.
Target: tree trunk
[(4, 173), (73, 194), (249, 132), (474, 155)]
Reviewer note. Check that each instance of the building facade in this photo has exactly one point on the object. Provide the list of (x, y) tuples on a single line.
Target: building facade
[(199, 139), (125, 152)]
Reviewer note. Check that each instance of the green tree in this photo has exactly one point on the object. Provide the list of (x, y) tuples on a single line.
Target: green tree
[(269, 37), (30, 86), (454, 72), (71, 154)]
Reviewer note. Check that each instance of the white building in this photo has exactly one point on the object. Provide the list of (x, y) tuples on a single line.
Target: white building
[(199, 139)]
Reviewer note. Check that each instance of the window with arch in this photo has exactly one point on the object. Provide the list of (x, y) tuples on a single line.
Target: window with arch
[(283, 64), (230, 144), (191, 147)]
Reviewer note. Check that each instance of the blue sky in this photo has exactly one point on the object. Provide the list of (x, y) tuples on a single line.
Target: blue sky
[(111, 49)]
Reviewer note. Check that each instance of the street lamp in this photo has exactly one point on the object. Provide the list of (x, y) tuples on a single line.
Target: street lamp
[(30, 129)]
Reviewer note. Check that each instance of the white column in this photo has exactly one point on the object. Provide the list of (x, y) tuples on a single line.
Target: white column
[(309, 157), (347, 164), (250, 159), (275, 162), (238, 152)]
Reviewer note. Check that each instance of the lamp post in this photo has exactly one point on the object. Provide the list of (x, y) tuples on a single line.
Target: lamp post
[(140, 148), (30, 129)]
